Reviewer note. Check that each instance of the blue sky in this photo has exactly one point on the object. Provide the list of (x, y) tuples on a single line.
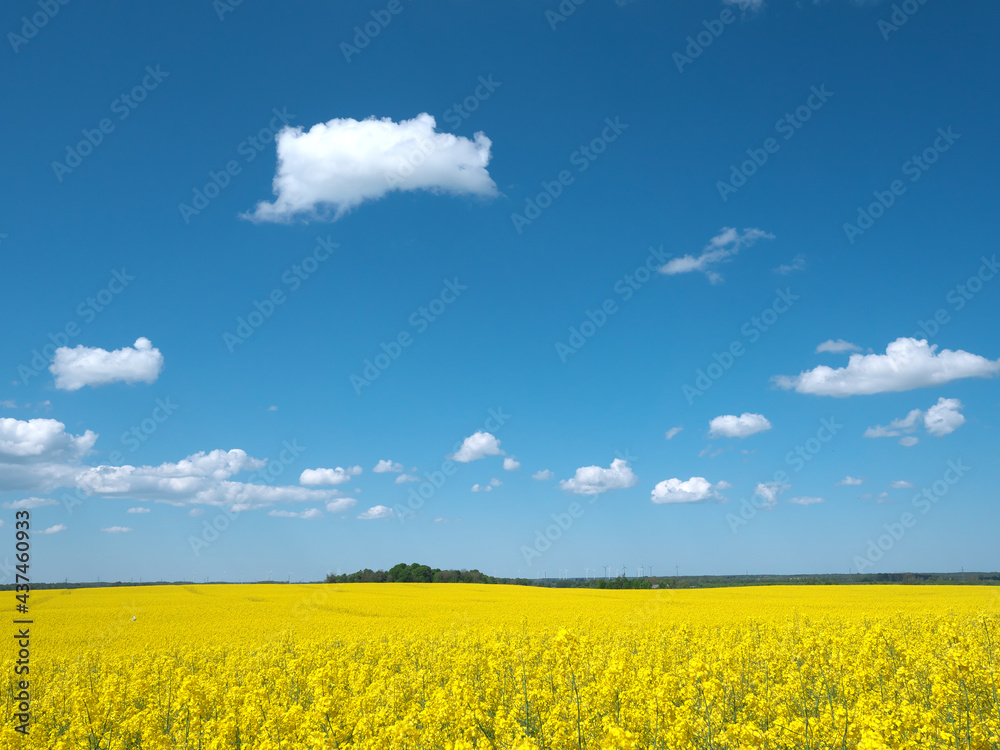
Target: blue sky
[(551, 226)]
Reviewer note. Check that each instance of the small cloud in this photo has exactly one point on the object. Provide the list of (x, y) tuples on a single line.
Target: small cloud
[(941, 419), (139, 509), (849, 481), (29, 503), (693, 490), (673, 432), (326, 477), (798, 263), (406, 478), (82, 366), (719, 249), (593, 480), (54, 529), (7, 405), (117, 530), (272, 408), (543, 475), (196, 512), (837, 347), (477, 446), (511, 464), (376, 512), (487, 487), (742, 426), (901, 484), (769, 492), (806, 500), (385, 466), (306, 515)]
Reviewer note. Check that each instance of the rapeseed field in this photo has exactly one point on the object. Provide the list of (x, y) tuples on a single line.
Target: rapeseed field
[(489, 666)]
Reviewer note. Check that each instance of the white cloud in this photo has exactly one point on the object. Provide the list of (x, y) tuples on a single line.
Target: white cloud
[(476, 446), (307, 515), (742, 426), (200, 479), (8, 404), (941, 419), (511, 464), (896, 427), (337, 165), (494, 482), (837, 347), (139, 509), (116, 530), (80, 366), (406, 478), (769, 491), (54, 529), (30, 503), (901, 484), (272, 408), (195, 512), (849, 480), (745, 5), (328, 477), (944, 417), (673, 432), (906, 364), (38, 455), (718, 250), (543, 475), (593, 480), (385, 465), (376, 512), (41, 440), (806, 500), (798, 264), (693, 490)]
